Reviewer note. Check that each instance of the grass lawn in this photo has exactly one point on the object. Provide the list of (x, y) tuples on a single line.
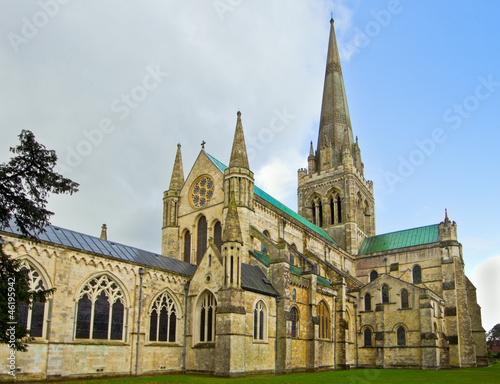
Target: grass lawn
[(361, 376)]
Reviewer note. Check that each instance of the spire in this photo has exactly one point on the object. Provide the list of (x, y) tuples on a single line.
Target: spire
[(232, 230), (239, 156), (334, 110), (104, 232), (311, 150), (177, 180)]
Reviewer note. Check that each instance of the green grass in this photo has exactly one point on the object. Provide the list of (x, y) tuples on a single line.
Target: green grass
[(361, 376)]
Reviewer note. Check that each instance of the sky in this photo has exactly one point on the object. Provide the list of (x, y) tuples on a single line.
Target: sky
[(114, 86)]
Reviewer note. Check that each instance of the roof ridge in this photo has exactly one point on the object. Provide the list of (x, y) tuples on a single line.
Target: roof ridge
[(403, 230)]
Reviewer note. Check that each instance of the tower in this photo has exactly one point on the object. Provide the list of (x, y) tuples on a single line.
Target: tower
[(170, 227), (238, 180), (332, 192)]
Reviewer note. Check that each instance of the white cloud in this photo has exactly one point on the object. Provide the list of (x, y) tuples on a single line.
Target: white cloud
[(486, 278)]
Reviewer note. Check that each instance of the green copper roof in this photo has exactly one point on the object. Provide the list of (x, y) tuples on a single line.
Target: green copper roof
[(282, 207), (400, 239), (295, 270), (323, 281)]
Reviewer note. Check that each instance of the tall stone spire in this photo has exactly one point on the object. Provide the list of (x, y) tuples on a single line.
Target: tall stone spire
[(177, 179), (239, 156), (334, 111), (232, 230)]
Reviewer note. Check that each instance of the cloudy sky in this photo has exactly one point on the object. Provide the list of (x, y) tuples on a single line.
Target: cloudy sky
[(114, 86)]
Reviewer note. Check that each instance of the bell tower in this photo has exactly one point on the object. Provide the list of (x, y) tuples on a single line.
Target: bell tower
[(332, 192)]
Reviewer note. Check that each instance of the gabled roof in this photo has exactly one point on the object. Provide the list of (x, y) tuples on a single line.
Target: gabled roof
[(400, 239), (87, 243), (282, 207)]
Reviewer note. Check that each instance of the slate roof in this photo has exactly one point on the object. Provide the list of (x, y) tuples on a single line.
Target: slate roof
[(282, 207), (80, 241), (252, 278), (400, 239)]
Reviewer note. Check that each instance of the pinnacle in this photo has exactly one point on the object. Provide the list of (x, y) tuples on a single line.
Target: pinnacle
[(232, 230), (177, 179), (239, 156)]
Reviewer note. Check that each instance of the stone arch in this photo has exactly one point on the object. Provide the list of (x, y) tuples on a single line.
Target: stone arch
[(201, 237)]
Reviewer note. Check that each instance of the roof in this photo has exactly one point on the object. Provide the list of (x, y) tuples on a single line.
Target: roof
[(87, 243), (262, 257), (253, 279), (282, 207), (400, 239)]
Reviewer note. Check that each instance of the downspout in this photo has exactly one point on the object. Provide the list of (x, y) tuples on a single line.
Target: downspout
[(141, 274), (276, 338), (335, 334), (186, 292), (356, 329)]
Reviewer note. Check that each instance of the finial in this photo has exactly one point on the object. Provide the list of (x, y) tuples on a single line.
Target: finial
[(203, 144), (238, 114), (104, 232), (178, 145), (331, 17)]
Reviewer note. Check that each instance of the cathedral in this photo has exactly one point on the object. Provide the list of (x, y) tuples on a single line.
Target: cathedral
[(245, 285)]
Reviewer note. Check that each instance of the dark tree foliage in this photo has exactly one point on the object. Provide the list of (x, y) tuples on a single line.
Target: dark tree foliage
[(493, 334), (25, 184)]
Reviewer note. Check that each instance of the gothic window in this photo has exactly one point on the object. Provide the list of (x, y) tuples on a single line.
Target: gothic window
[(201, 245), (294, 294), (324, 321), (404, 299), (218, 235), (100, 310), (259, 321), (201, 191), (368, 302), (385, 294), (187, 246), (294, 317), (368, 337), (163, 319), (32, 315), (373, 275), (332, 211), (263, 249), (401, 336), (417, 274), (207, 317), (320, 214)]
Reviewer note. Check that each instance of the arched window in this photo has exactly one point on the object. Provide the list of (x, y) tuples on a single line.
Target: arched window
[(294, 317), (187, 246), (263, 249), (417, 274), (401, 335), (101, 310), (201, 246), (320, 214), (368, 302), (218, 235), (324, 321), (404, 299), (207, 317), (32, 315), (368, 337), (373, 275), (163, 319), (385, 294), (294, 294), (259, 321)]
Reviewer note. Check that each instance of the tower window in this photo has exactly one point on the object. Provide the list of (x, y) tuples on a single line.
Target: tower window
[(404, 299), (385, 294), (368, 337), (401, 336), (218, 235), (417, 274), (294, 319), (368, 302)]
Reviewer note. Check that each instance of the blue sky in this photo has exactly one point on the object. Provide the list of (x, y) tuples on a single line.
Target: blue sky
[(422, 81)]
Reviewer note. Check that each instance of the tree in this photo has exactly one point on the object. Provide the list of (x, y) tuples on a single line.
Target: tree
[(26, 181), (493, 334)]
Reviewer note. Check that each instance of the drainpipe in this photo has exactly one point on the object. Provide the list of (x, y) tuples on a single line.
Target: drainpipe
[(276, 338), (335, 334), (141, 274), (356, 330), (186, 292)]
